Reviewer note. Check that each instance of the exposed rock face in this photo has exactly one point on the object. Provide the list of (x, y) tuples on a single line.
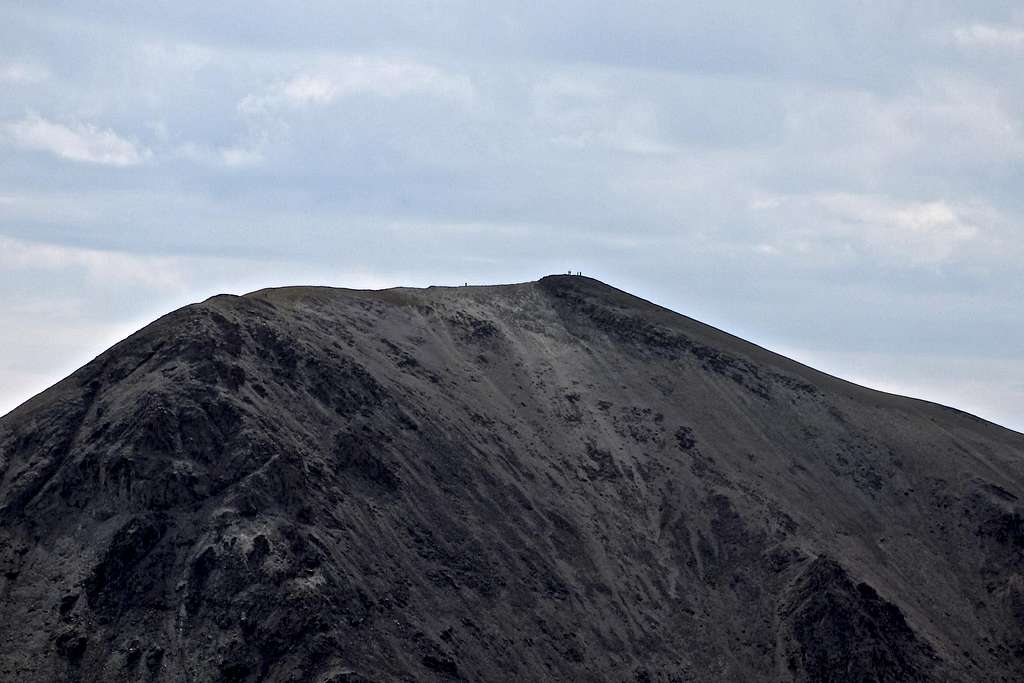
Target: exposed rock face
[(547, 481)]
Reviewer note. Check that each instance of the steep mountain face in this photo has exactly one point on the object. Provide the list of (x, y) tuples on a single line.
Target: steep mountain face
[(546, 481)]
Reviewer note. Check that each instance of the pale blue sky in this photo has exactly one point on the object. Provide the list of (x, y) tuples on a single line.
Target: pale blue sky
[(840, 182)]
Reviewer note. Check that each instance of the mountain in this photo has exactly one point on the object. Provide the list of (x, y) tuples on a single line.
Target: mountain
[(543, 481)]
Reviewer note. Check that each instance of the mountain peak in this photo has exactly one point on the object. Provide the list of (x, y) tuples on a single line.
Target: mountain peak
[(535, 481)]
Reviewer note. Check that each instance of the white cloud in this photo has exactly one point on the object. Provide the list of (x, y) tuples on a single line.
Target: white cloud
[(240, 156), (965, 115), (98, 266), (78, 142), (306, 89), (20, 73), (946, 125), (990, 36), (339, 78), (843, 225), (232, 157)]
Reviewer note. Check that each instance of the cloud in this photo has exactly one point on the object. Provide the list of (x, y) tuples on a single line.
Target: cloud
[(307, 89), (78, 142), (177, 55), (839, 226), (235, 156), (350, 76), (990, 36), (729, 158), (19, 73), (945, 125), (100, 267), (579, 112)]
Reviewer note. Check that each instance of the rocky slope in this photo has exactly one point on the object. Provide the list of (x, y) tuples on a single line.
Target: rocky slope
[(545, 481)]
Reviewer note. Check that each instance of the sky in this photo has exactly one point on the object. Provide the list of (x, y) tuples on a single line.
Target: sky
[(840, 182)]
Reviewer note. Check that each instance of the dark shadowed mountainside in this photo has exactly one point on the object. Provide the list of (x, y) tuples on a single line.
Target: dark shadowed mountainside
[(545, 481)]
